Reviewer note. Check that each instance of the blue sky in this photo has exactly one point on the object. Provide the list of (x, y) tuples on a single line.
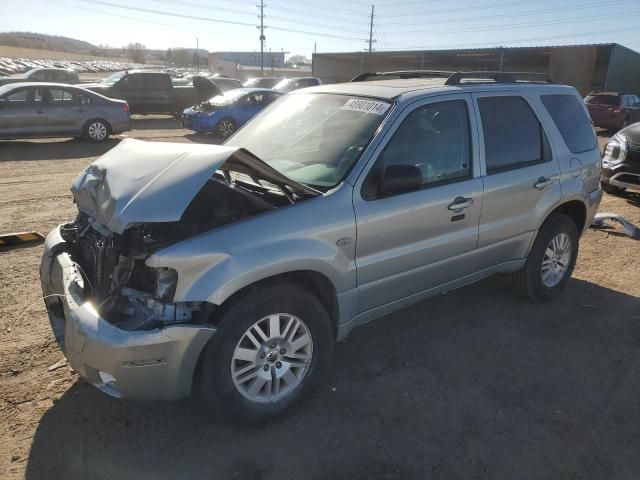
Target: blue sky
[(295, 25)]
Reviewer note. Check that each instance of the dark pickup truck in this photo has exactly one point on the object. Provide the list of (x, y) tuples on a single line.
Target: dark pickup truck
[(154, 92)]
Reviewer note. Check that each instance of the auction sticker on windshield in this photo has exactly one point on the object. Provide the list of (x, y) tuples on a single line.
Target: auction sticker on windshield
[(366, 106)]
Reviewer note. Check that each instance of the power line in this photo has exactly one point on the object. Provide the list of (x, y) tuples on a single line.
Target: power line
[(512, 15), (214, 20), (510, 26), (464, 9), (523, 40), (184, 3)]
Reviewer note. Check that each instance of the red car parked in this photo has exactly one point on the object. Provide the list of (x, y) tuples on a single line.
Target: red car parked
[(613, 110)]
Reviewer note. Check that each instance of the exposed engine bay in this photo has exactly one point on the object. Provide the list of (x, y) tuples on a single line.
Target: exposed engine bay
[(132, 295)]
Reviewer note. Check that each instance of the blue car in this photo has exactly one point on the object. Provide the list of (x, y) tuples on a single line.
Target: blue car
[(224, 114)]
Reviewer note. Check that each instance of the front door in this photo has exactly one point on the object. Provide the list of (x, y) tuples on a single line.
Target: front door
[(411, 242), (22, 113), (522, 182)]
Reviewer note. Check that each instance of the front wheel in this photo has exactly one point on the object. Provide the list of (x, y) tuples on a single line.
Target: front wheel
[(550, 261), (271, 346), (226, 127)]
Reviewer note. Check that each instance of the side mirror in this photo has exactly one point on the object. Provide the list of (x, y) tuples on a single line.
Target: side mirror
[(399, 179), (3, 102)]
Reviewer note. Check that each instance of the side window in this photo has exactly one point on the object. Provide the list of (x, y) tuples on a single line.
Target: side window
[(573, 122), (513, 136), (60, 96), (436, 139), (155, 81), (39, 76), (132, 82), (268, 98), (20, 97), (82, 99)]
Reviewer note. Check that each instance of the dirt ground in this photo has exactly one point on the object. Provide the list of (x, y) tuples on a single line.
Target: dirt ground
[(473, 384)]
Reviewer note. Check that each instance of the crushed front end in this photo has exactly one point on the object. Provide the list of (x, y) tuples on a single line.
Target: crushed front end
[(113, 316)]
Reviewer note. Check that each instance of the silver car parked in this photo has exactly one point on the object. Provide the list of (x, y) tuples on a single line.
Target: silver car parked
[(239, 266), (30, 110)]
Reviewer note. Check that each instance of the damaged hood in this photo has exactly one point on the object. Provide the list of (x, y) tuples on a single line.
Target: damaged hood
[(141, 182)]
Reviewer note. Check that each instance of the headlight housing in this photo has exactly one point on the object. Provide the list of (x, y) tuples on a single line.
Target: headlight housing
[(616, 151), (166, 282)]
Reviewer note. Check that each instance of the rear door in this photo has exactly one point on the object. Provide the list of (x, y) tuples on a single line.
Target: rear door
[(521, 176), (22, 113), (411, 242), (65, 113)]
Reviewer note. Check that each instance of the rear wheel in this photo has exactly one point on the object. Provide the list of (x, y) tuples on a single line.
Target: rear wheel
[(550, 261), (611, 189), (226, 127), (270, 348), (97, 130)]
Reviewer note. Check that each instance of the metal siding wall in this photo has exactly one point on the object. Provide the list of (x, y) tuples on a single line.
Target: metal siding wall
[(573, 66), (624, 71)]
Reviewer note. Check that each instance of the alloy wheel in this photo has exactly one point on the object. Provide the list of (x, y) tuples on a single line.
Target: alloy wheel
[(555, 262), (227, 128), (272, 358)]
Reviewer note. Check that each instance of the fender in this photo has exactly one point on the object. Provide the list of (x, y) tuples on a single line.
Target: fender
[(314, 235)]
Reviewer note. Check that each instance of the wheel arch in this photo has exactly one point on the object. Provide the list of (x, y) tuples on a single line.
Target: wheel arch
[(575, 210), (312, 280)]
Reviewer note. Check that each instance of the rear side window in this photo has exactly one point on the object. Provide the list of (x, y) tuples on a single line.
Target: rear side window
[(571, 119), (513, 136), (156, 81), (602, 100)]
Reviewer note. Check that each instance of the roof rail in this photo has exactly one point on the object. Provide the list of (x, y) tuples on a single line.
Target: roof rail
[(402, 74), (498, 77)]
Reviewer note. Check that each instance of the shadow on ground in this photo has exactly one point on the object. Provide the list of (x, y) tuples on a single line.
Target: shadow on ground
[(21, 150), (155, 122), (474, 384)]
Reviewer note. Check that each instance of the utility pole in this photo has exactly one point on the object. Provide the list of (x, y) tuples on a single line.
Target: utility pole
[(262, 37), (198, 54), (371, 30)]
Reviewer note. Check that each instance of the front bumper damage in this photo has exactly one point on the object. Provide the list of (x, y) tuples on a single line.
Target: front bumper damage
[(155, 364)]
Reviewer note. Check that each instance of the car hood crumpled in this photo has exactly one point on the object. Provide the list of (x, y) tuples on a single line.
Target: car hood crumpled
[(140, 182)]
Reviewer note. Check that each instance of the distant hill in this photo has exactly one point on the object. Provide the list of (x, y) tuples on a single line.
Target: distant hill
[(46, 42)]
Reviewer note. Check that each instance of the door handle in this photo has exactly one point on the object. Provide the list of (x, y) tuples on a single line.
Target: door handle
[(542, 183), (39, 110), (81, 110), (460, 203)]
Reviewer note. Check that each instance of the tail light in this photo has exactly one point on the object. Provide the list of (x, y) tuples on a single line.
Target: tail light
[(125, 108)]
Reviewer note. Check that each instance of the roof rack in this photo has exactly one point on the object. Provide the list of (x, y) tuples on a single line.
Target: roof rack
[(498, 77), (402, 74)]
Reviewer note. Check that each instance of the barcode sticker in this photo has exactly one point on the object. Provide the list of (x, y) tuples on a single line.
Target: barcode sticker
[(366, 106)]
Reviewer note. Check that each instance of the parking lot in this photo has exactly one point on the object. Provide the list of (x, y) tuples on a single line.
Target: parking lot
[(476, 383)]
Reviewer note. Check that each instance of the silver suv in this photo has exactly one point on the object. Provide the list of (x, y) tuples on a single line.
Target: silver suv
[(237, 267)]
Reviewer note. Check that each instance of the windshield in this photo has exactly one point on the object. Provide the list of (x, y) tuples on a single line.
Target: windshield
[(227, 97), (602, 99), (282, 84), (113, 79), (313, 139)]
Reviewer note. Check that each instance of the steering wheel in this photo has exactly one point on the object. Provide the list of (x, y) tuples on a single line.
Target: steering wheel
[(349, 155)]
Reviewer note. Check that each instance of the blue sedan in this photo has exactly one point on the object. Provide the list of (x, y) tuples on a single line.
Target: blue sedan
[(224, 114)]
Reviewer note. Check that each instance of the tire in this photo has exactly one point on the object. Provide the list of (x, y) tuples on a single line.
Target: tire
[(529, 281), (234, 398), (611, 189), (226, 127), (97, 130)]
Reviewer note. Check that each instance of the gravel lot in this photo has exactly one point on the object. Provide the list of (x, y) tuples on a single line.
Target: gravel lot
[(473, 384)]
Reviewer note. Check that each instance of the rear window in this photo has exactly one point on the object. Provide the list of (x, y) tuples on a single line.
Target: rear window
[(572, 121), (602, 100)]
